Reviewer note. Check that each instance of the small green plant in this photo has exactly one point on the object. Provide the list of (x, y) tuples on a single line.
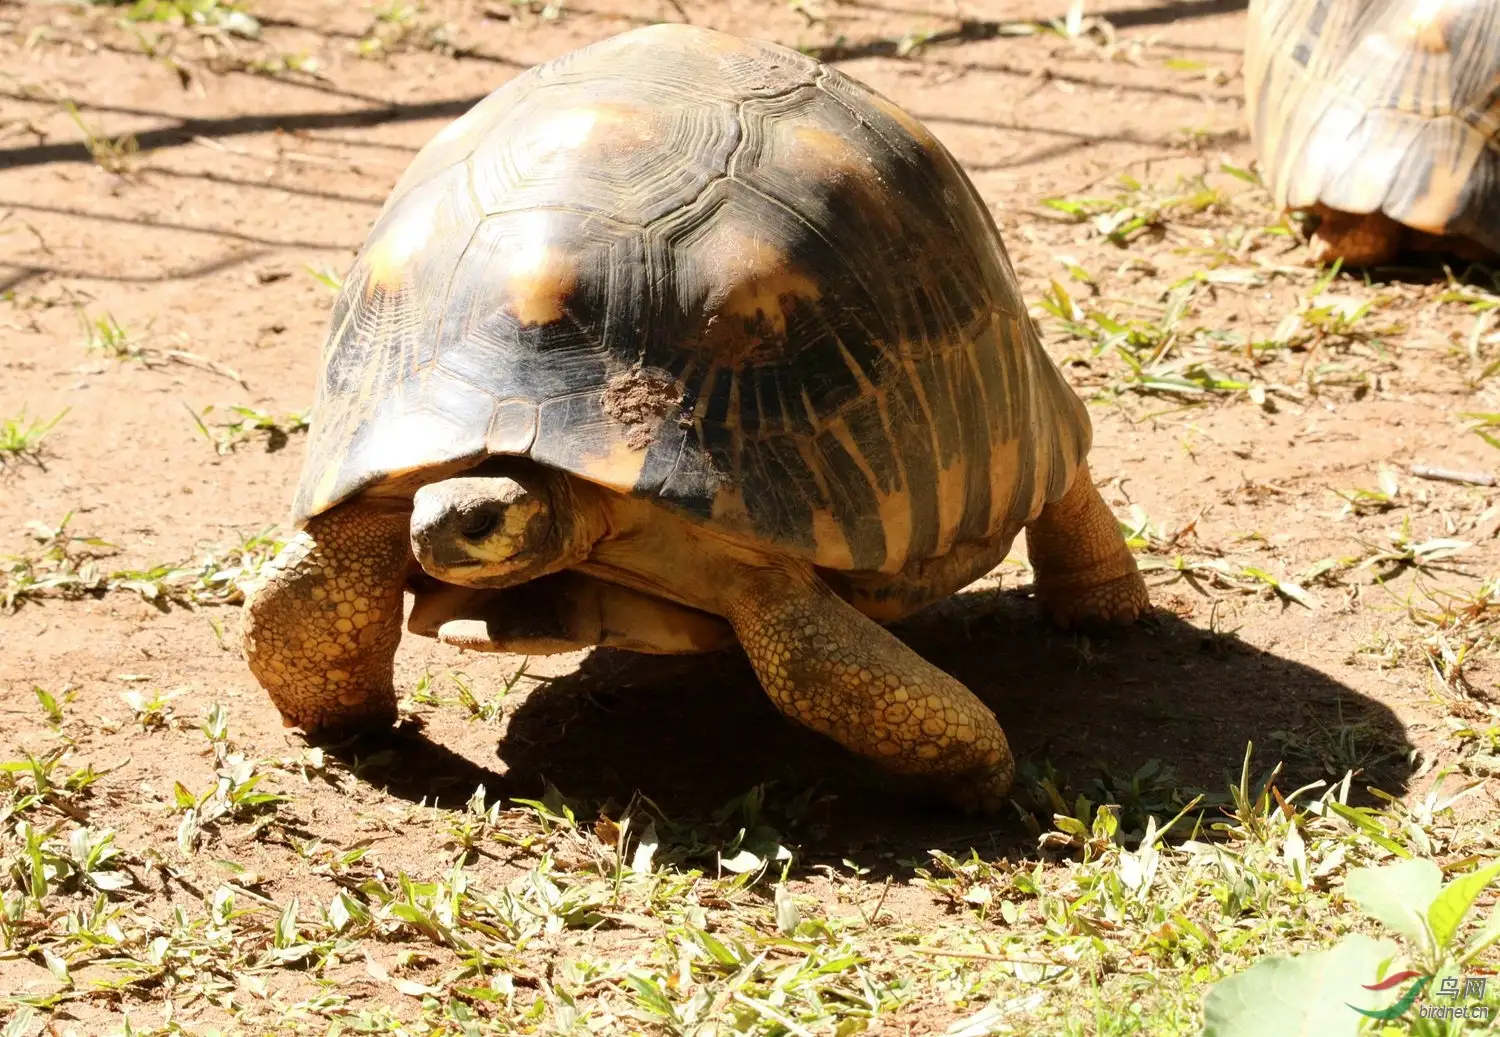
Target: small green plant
[(66, 566), (232, 798), (203, 14), (62, 565), (1153, 352), (103, 334), (396, 25), (1406, 551), (51, 705), (326, 277), (21, 440), (546, 10), (152, 710), (493, 707), (389, 27), (1136, 208), (1480, 422), (224, 436), (116, 155), (1361, 501), (107, 336), (1334, 992)]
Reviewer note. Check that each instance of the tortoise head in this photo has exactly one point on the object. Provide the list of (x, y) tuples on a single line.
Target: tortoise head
[(503, 523)]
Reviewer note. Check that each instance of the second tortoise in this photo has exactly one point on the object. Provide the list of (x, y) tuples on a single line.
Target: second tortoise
[(1381, 117)]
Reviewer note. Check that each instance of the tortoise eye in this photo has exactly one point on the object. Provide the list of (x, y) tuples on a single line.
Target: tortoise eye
[(477, 525)]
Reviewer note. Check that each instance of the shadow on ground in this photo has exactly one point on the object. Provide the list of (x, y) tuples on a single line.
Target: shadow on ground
[(695, 733)]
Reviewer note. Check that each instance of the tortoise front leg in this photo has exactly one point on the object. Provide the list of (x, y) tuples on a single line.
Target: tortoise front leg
[(320, 630), (830, 667)]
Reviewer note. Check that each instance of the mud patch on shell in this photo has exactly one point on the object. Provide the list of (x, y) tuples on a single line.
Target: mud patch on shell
[(641, 400)]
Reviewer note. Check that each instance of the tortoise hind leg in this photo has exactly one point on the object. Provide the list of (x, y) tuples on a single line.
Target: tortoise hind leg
[(1085, 572), (1359, 239), (838, 672), (321, 627)]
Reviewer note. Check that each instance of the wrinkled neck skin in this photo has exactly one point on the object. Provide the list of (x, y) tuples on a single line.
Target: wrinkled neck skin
[(510, 521), (504, 523), (653, 551)]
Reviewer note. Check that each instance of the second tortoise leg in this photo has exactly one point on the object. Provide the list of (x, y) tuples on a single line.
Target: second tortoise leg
[(1359, 239), (840, 673), (1085, 572)]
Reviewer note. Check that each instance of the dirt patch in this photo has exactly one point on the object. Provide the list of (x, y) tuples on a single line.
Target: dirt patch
[(641, 400)]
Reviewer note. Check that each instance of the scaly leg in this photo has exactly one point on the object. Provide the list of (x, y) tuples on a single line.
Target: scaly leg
[(320, 630), (1085, 572), (835, 670), (1359, 239)]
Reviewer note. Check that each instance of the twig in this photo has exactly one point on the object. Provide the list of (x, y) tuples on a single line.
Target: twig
[(939, 952), (187, 359), (1422, 471), (879, 903)]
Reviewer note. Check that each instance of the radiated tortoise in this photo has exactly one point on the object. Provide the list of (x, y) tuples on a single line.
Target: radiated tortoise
[(1383, 118), (674, 341)]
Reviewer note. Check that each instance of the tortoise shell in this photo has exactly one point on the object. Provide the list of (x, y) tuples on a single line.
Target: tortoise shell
[(1380, 105), (710, 272)]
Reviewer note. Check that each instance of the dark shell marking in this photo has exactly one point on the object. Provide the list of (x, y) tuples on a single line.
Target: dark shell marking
[(1380, 105), (709, 271)]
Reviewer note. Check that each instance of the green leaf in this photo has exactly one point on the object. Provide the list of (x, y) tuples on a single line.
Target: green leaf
[(184, 799), (1397, 894), (1359, 817), (720, 953), (1447, 912), (286, 925), (651, 996), (1482, 939), (1304, 996), (49, 703)]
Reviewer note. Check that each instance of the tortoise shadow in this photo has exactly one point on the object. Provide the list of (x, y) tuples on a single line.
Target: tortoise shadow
[(694, 733)]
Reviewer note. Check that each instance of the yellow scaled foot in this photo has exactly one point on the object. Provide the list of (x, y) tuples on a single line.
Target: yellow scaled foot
[(320, 629)]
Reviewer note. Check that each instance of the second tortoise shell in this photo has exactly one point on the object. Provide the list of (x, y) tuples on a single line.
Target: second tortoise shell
[(1386, 106), (714, 273)]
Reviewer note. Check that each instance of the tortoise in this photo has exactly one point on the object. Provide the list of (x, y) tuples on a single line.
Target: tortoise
[(1382, 117), (676, 341)]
